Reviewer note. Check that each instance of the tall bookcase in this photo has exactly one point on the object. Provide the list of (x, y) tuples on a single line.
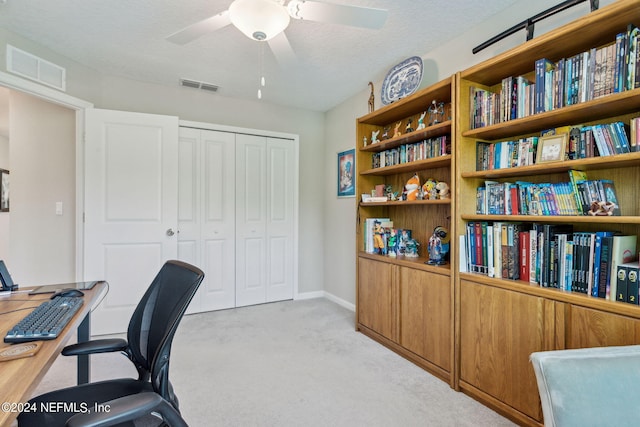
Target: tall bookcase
[(403, 302), (500, 322)]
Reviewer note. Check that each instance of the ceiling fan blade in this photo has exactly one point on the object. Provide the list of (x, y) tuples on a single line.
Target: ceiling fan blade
[(201, 28), (354, 16), (282, 50)]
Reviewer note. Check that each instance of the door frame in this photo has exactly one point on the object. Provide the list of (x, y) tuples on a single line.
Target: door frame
[(271, 134), (78, 105)]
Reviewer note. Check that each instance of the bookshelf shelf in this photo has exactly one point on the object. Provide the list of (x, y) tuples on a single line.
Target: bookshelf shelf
[(435, 162), (408, 203), (432, 131), (501, 321)]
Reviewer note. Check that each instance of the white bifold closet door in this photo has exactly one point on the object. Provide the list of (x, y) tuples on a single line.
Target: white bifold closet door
[(265, 169), (236, 216)]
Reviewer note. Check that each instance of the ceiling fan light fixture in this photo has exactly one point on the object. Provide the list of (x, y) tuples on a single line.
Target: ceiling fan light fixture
[(259, 19)]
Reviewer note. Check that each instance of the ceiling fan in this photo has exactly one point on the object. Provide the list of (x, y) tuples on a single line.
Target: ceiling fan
[(266, 20)]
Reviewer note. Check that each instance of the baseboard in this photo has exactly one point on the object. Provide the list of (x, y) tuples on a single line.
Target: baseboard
[(322, 294)]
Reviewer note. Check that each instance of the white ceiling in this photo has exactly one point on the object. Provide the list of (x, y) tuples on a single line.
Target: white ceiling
[(127, 38)]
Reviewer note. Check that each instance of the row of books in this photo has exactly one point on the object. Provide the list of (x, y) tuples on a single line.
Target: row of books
[(426, 149), (581, 196), (579, 78), (601, 264), (604, 139), (380, 237)]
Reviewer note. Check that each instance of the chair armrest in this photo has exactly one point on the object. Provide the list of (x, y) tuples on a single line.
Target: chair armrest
[(95, 346), (128, 408)]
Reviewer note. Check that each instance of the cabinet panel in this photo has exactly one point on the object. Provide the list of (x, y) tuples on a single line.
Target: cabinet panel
[(425, 315), (586, 327), (499, 329), (375, 297)]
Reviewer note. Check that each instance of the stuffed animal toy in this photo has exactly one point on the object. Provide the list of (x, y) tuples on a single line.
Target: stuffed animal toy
[(413, 184), (429, 189), (443, 190)]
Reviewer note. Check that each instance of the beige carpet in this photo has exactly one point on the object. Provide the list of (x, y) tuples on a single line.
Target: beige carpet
[(293, 363)]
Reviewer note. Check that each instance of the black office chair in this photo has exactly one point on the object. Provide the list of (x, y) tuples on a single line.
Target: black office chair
[(148, 346)]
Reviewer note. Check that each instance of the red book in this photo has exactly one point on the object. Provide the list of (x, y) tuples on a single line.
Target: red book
[(524, 255)]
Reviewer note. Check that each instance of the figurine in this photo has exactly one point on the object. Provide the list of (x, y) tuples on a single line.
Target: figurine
[(438, 246), (443, 190), (429, 189), (364, 141), (412, 187), (392, 242), (421, 124), (371, 99), (385, 134), (411, 248), (374, 136), (436, 112), (396, 131), (408, 128), (378, 238)]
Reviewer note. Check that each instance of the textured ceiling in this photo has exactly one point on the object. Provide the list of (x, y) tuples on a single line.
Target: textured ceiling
[(127, 38)]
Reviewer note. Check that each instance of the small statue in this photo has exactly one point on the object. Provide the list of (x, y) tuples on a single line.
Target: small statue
[(408, 128), (412, 187), (371, 99), (396, 130), (421, 124), (411, 248), (385, 134), (378, 239), (364, 141), (438, 246), (443, 190), (436, 112), (429, 189), (374, 136)]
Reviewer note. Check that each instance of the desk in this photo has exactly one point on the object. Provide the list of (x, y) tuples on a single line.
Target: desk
[(19, 377)]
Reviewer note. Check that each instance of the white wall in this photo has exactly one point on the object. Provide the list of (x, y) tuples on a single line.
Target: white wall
[(440, 63), (4, 216), (42, 152)]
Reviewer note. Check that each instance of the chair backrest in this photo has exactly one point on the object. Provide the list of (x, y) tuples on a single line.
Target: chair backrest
[(590, 386), (155, 320)]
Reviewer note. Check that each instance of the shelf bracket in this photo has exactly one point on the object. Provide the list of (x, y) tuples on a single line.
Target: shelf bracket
[(528, 24)]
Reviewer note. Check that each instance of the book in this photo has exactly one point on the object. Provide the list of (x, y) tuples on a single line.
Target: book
[(597, 251), (604, 276), (525, 251), (623, 250), (622, 284), (633, 270)]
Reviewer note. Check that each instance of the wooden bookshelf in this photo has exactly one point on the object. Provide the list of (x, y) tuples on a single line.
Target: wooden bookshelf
[(403, 302), (500, 322)]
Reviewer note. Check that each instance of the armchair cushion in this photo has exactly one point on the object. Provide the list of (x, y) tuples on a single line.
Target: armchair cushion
[(589, 387)]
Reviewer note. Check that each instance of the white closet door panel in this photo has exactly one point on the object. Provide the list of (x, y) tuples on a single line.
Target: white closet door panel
[(130, 204), (280, 218), (251, 220)]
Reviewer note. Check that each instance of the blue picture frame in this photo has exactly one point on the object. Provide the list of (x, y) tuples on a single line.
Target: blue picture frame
[(346, 173)]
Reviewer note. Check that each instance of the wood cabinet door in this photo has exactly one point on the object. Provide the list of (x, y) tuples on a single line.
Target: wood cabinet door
[(425, 315), (586, 327), (376, 296), (499, 329)]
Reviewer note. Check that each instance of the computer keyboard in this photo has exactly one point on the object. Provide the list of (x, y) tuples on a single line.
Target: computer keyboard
[(46, 321)]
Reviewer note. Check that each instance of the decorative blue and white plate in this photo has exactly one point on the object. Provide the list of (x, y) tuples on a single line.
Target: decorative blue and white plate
[(402, 80)]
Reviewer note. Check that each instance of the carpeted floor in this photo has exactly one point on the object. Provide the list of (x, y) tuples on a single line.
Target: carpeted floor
[(293, 363)]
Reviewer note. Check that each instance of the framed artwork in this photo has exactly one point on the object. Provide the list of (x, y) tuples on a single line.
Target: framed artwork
[(4, 190), (551, 148), (346, 173)]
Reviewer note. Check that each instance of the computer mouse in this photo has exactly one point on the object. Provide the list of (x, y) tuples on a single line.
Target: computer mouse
[(68, 293)]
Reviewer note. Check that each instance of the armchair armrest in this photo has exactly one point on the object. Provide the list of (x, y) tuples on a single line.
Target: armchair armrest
[(128, 408), (107, 345)]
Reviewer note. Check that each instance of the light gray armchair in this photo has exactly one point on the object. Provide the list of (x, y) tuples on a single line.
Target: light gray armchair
[(589, 387)]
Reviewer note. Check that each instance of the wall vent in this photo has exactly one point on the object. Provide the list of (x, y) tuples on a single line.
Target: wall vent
[(199, 85), (34, 68)]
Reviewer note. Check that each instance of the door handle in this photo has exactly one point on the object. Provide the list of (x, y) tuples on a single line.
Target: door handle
[(170, 232)]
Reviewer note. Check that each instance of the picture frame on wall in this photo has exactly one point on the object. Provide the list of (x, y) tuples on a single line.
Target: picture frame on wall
[(4, 190), (346, 177), (552, 148)]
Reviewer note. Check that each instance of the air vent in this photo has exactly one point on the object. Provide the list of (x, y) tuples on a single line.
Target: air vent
[(37, 69), (199, 85)]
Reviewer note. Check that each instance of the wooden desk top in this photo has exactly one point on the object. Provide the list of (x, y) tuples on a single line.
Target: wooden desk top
[(19, 377)]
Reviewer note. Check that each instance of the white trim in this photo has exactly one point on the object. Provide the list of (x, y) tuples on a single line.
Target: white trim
[(327, 295), (47, 94)]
